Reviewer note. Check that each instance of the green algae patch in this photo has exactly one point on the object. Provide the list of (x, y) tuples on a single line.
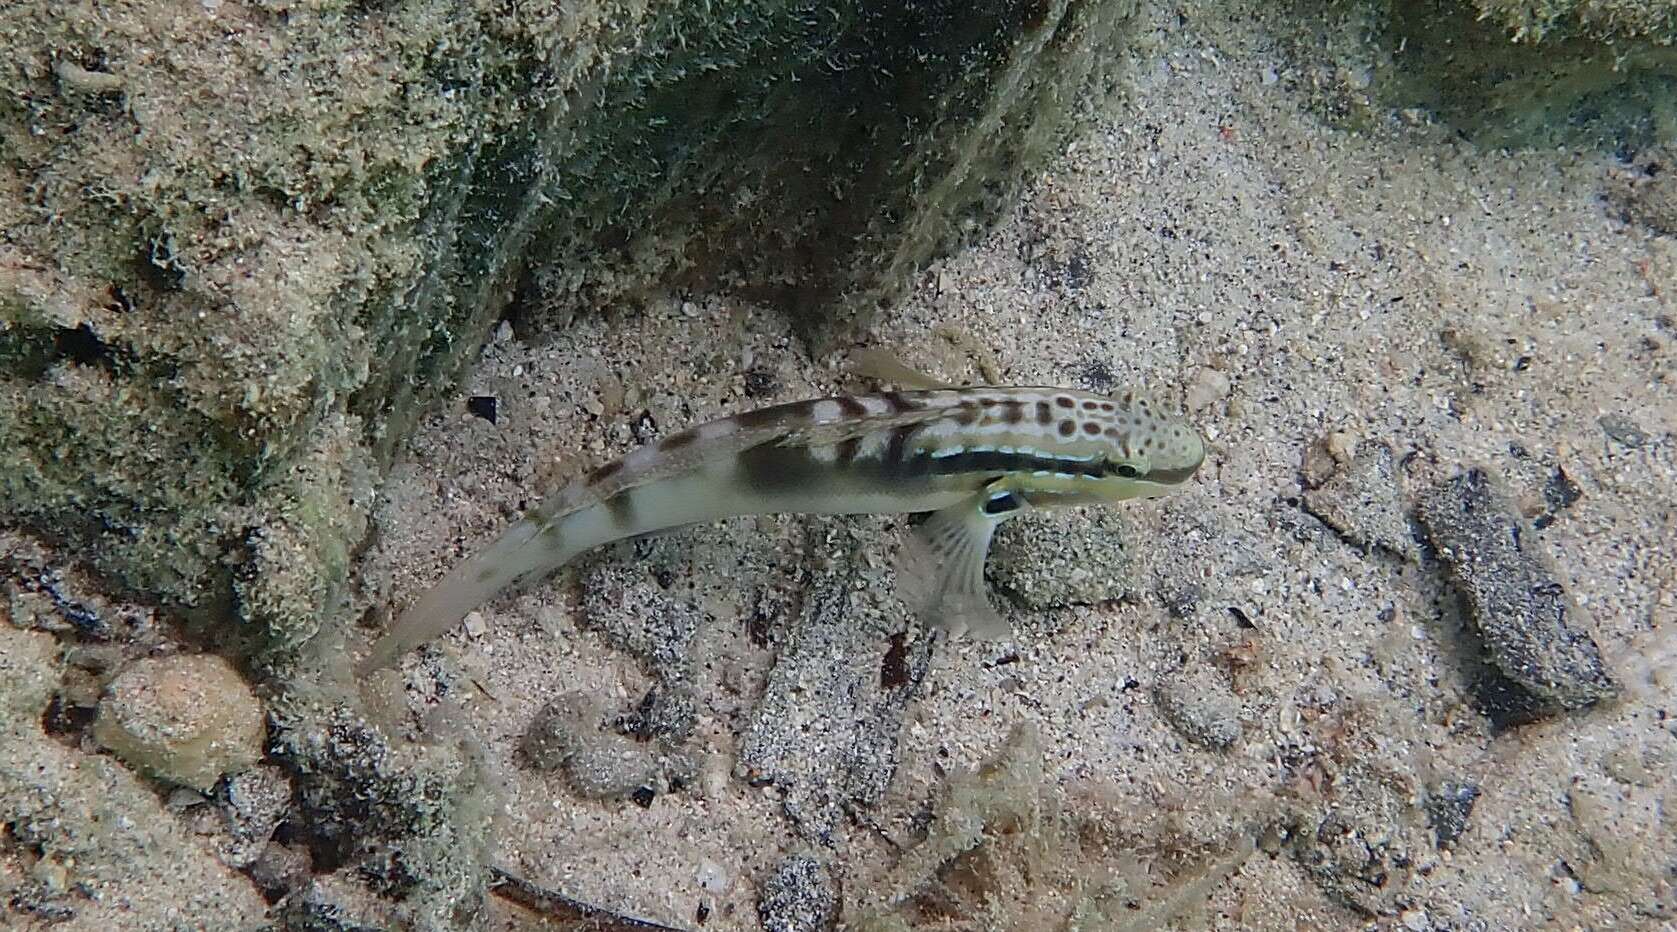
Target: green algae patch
[(1540, 74), (1540, 20), (1514, 74)]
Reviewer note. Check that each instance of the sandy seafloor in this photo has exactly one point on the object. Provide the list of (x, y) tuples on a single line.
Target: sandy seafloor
[(1297, 283)]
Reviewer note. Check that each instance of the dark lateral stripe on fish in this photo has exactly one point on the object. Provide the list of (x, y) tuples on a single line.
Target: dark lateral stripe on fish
[(1001, 461)]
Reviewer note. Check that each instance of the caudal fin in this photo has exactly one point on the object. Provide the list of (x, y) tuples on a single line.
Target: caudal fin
[(526, 549)]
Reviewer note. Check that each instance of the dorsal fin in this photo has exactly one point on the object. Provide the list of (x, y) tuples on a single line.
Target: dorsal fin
[(882, 365)]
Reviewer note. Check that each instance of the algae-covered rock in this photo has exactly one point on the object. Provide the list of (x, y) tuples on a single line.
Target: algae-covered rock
[(186, 719), (1506, 73), (1535, 20), (246, 247), (401, 829)]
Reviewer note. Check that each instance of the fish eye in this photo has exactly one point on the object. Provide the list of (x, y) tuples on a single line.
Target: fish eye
[(1126, 471)]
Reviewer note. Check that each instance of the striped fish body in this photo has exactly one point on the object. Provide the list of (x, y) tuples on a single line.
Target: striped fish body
[(974, 456)]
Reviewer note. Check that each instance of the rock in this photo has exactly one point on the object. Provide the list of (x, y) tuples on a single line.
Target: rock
[(1622, 430), (1531, 630), (1207, 387), (565, 735), (1047, 560), (28, 675), (554, 733), (1361, 856), (798, 897), (1360, 500), (336, 901), (185, 718), (611, 766), (1201, 708), (255, 802), (622, 600), (1448, 807), (280, 869), (1646, 190)]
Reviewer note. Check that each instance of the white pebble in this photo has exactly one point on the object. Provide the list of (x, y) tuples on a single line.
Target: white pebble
[(475, 625), (713, 878)]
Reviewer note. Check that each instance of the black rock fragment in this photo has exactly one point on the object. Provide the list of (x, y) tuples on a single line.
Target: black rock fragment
[(483, 406), (1448, 807)]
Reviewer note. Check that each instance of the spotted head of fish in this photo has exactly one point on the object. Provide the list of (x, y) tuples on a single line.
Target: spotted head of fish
[(1128, 447)]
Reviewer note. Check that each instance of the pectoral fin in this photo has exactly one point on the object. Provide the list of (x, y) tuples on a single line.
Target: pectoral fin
[(941, 571), (884, 366)]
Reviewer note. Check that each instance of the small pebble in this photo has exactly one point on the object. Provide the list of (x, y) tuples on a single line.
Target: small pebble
[(1623, 430), (713, 877), (187, 718), (1207, 388), (483, 406), (474, 624), (1201, 709), (1449, 805), (183, 799)]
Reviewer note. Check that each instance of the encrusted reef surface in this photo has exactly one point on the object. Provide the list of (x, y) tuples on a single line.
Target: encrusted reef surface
[(301, 302)]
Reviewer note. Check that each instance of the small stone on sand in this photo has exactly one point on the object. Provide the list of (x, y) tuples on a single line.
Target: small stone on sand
[(188, 719)]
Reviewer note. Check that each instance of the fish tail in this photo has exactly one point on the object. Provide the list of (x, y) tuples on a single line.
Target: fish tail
[(528, 549)]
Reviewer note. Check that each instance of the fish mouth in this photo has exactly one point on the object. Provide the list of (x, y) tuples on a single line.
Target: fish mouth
[(1177, 475)]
